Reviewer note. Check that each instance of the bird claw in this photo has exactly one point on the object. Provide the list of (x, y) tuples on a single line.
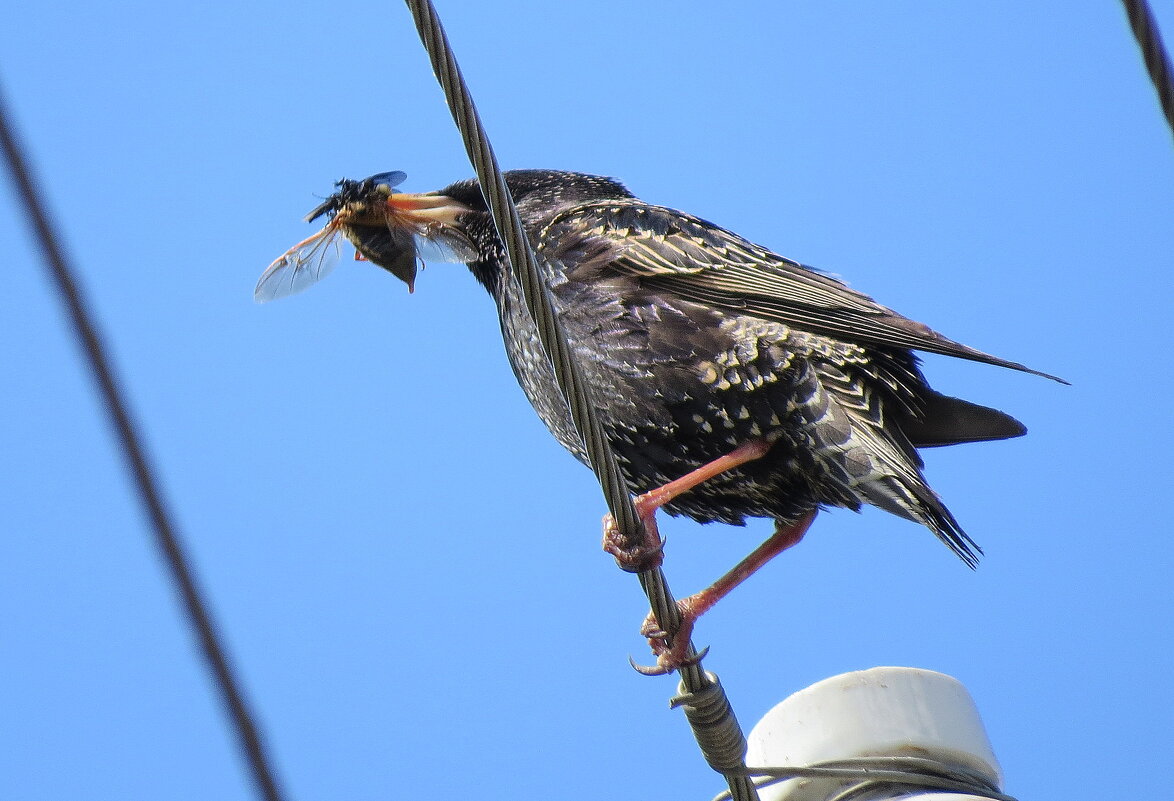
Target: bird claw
[(651, 630), (633, 558), (670, 650), (666, 665)]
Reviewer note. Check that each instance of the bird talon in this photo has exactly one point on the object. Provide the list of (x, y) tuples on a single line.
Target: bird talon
[(670, 649), (633, 558), (650, 629), (647, 670), (689, 661), (666, 663)]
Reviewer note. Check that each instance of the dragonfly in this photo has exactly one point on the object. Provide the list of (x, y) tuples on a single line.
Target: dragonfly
[(404, 230)]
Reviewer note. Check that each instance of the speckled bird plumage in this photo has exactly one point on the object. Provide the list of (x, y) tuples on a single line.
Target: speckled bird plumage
[(694, 340)]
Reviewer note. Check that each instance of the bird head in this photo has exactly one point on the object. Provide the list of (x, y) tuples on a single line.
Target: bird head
[(397, 230)]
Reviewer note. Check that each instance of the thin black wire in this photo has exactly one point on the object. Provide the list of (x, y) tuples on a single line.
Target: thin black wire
[(1153, 52), (166, 537), (521, 256)]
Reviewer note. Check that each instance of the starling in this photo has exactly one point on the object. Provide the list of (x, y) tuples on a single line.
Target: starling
[(786, 389)]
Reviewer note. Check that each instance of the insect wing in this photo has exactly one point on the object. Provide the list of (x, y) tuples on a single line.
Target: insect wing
[(304, 264), (391, 179), (444, 246), (428, 239)]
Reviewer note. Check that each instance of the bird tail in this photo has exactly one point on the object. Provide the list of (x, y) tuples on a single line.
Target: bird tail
[(943, 420), (867, 458), (932, 513)]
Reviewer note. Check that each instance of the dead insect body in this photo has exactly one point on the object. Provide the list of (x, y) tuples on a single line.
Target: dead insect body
[(395, 231)]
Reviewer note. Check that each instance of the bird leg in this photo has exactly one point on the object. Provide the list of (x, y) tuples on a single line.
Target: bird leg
[(647, 555), (670, 649)]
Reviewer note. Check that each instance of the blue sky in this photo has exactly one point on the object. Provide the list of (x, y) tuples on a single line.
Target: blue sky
[(406, 566)]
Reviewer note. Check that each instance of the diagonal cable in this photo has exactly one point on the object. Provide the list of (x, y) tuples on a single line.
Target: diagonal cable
[(1153, 52), (166, 537), (713, 720)]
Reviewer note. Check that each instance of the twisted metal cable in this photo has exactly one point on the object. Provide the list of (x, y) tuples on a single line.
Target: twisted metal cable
[(1153, 52), (166, 537), (521, 255)]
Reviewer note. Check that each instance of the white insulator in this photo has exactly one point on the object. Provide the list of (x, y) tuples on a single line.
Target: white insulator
[(885, 711)]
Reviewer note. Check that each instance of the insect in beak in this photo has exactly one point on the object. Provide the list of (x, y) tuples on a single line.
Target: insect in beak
[(393, 230)]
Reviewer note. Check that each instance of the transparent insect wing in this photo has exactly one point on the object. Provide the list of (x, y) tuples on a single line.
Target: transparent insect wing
[(431, 240), (437, 243), (304, 264)]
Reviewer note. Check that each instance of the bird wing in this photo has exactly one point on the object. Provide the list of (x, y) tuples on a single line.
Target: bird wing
[(698, 261)]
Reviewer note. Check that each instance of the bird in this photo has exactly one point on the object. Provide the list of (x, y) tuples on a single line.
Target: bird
[(731, 382)]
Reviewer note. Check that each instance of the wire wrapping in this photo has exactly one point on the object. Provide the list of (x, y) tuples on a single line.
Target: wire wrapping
[(880, 777), (615, 489), (1153, 53), (712, 718), (167, 538)]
